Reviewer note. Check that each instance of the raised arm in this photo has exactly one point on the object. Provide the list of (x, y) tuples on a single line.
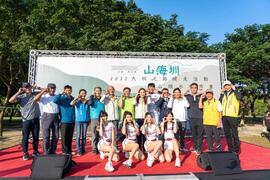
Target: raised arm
[(170, 103), (120, 102), (38, 96), (160, 102), (143, 127), (124, 129), (90, 101), (56, 99), (103, 97), (74, 101), (162, 127), (221, 94), (158, 129), (175, 126), (201, 101), (13, 99), (101, 128), (157, 102), (186, 102), (137, 129)]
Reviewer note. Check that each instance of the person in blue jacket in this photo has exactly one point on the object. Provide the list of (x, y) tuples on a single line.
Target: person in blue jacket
[(96, 106), (162, 104), (67, 117), (81, 120)]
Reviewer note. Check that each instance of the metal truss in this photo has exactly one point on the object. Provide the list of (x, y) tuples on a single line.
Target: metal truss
[(32, 69), (34, 54)]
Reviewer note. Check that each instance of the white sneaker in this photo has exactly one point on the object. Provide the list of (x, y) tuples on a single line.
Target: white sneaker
[(127, 163), (177, 162), (197, 153), (109, 167), (101, 155), (126, 155), (150, 161)]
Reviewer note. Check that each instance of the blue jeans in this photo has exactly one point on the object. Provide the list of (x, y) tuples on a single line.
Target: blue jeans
[(81, 130)]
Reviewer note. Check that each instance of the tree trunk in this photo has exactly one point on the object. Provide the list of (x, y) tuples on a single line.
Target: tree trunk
[(2, 114), (11, 114), (267, 102), (1, 122), (252, 107), (242, 118)]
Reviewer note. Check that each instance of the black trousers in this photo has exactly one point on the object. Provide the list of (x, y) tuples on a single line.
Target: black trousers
[(181, 133), (140, 137), (196, 125), (209, 132), (230, 126), (67, 130), (50, 124), (30, 126)]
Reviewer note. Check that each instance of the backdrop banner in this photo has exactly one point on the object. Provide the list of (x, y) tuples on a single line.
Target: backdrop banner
[(90, 71)]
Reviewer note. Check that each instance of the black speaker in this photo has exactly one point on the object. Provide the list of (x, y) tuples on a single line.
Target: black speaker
[(203, 161), (51, 166), (222, 163)]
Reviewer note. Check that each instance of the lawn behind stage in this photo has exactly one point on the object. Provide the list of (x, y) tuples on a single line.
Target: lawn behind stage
[(11, 164)]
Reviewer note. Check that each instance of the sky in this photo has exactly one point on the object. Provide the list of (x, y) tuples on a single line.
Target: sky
[(215, 17)]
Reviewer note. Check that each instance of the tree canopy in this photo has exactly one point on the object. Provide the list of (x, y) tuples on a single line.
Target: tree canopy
[(107, 25), (248, 60), (113, 25)]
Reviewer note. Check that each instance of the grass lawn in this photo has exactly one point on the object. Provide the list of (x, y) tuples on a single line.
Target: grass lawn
[(258, 140)]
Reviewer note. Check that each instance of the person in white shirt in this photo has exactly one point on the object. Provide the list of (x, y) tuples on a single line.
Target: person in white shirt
[(111, 107), (49, 119), (169, 128), (106, 143), (140, 111), (152, 101), (178, 104), (152, 145), (130, 130)]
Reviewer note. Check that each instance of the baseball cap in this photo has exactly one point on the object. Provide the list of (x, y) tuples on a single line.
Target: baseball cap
[(26, 85), (51, 85), (227, 82), (209, 91)]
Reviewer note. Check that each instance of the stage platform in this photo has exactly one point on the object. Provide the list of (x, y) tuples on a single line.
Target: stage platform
[(90, 166)]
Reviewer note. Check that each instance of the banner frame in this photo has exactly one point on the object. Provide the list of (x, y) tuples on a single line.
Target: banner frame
[(34, 54)]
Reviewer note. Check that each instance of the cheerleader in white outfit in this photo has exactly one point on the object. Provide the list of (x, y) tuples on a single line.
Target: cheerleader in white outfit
[(130, 130), (106, 143), (152, 145), (169, 128)]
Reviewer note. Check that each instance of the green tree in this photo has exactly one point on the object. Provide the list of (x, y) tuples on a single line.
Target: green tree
[(12, 15), (107, 25), (248, 59)]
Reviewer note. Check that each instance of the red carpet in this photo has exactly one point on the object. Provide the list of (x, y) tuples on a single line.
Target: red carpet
[(11, 164)]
